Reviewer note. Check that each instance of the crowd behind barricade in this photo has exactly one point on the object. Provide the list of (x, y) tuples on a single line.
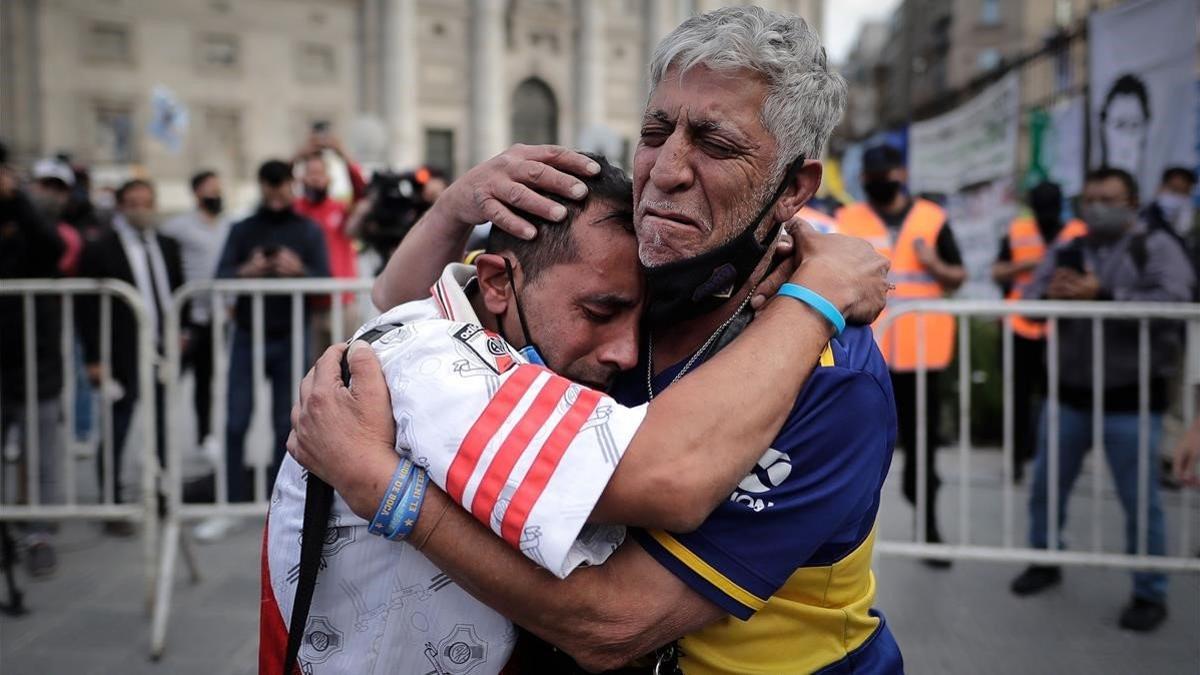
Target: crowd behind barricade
[(54, 223), (1108, 245)]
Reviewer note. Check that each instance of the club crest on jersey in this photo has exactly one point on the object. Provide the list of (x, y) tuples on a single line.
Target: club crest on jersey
[(771, 470), (486, 347)]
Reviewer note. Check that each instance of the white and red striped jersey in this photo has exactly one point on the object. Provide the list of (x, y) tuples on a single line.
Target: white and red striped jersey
[(523, 449)]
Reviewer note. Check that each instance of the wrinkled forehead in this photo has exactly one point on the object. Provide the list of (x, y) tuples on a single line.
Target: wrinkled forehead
[(731, 98)]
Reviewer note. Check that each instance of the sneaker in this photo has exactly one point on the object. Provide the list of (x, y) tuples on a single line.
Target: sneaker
[(210, 450), (1143, 615), (1035, 579), (214, 529), (40, 559), (119, 528)]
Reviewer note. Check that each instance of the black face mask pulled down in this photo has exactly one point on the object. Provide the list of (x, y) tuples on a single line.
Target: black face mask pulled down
[(685, 289), (316, 195)]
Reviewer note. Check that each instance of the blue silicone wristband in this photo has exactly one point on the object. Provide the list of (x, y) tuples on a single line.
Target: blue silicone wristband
[(414, 496), (813, 299), (381, 523)]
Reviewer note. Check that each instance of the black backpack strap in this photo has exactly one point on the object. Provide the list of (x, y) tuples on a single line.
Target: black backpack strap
[(318, 504)]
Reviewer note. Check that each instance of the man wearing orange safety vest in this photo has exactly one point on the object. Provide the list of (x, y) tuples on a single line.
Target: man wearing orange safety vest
[(820, 222), (1021, 251), (926, 264)]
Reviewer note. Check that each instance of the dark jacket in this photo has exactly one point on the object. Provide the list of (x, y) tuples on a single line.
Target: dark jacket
[(1144, 265), (29, 249), (104, 258), (266, 230)]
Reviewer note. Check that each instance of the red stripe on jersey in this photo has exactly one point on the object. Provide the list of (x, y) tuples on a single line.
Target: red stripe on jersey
[(511, 450), (272, 631), (486, 425), (543, 467)]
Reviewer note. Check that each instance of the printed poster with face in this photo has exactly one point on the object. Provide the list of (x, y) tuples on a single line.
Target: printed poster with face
[(1142, 95)]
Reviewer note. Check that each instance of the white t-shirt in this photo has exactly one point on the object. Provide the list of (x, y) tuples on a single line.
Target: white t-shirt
[(525, 450)]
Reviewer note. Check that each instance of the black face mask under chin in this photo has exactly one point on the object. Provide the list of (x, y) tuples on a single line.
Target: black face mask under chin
[(882, 192), (530, 351), (685, 289)]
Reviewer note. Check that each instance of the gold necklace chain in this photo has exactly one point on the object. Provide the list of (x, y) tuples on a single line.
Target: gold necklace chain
[(692, 361)]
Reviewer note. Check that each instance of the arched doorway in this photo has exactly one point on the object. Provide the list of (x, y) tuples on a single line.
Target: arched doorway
[(534, 113)]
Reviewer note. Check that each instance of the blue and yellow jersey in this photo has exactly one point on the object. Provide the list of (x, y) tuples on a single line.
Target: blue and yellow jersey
[(788, 555)]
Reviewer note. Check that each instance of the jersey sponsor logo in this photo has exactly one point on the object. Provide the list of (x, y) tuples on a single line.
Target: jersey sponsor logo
[(487, 348), (771, 470)]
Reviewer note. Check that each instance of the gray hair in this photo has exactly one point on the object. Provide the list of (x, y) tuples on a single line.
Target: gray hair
[(804, 99)]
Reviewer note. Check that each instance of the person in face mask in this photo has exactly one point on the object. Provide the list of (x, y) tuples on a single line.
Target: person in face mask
[(50, 193), (1172, 208), (926, 263), (332, 216), (201, 234), (134, 252), (1022, 250), (1120, 259)]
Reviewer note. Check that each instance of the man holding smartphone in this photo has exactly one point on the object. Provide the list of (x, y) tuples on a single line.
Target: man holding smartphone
[(273, 242), (1119, 259)]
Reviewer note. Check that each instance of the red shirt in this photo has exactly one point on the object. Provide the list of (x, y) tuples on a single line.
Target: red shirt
[(330, 215)]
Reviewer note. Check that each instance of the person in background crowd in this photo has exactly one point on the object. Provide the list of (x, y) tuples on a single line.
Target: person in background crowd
[(1186, 456), (330, 215), (1124, 260), (201, 235), (51, 194), (1173, 210), (926, 264), (1022, 249), (274, 242), (31, 248), (131, 251)]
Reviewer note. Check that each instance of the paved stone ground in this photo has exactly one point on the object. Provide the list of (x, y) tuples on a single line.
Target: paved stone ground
[(91, 617)]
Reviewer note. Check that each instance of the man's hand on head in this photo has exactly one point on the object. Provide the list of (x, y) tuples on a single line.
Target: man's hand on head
[(346, 435), (510, 182)]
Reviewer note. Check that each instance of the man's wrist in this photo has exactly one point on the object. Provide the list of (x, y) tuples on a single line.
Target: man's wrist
[(366, 487), (825, 284)]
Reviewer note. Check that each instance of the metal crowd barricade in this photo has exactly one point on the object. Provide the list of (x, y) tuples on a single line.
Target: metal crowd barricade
[(222, 294), (1097, 313), (68, 291)]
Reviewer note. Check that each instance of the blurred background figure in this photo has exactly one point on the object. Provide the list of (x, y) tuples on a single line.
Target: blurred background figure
[(1119, 259), (332, 216), (274, 242), (1022, 250), (31, 247), (394, 202), (201, 234), (926, 264), (131, 251)]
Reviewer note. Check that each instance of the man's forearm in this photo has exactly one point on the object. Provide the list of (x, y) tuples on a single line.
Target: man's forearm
[(949, 277), (436, 240), (602, 616), (703, 434)]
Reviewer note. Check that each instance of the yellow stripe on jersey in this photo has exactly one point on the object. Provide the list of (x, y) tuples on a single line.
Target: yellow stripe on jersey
[(820, 615), (708, 572), (827, 356)]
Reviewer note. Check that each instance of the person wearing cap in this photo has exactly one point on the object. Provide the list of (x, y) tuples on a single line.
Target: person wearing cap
[(1021, 251), (50, 191), (30, 248), (926, 264)]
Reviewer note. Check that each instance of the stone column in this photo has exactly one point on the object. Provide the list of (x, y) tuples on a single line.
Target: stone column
[(590, 55), (400, 83), (489, 127)]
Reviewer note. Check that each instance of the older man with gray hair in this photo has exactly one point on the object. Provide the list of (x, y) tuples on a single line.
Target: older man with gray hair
[(777, 579)]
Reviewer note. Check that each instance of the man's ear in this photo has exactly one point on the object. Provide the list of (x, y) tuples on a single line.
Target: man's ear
[(494, 287), (804, 184)]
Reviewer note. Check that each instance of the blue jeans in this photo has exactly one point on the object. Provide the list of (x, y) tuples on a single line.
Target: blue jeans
[(277, 361), (1121, 450)]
